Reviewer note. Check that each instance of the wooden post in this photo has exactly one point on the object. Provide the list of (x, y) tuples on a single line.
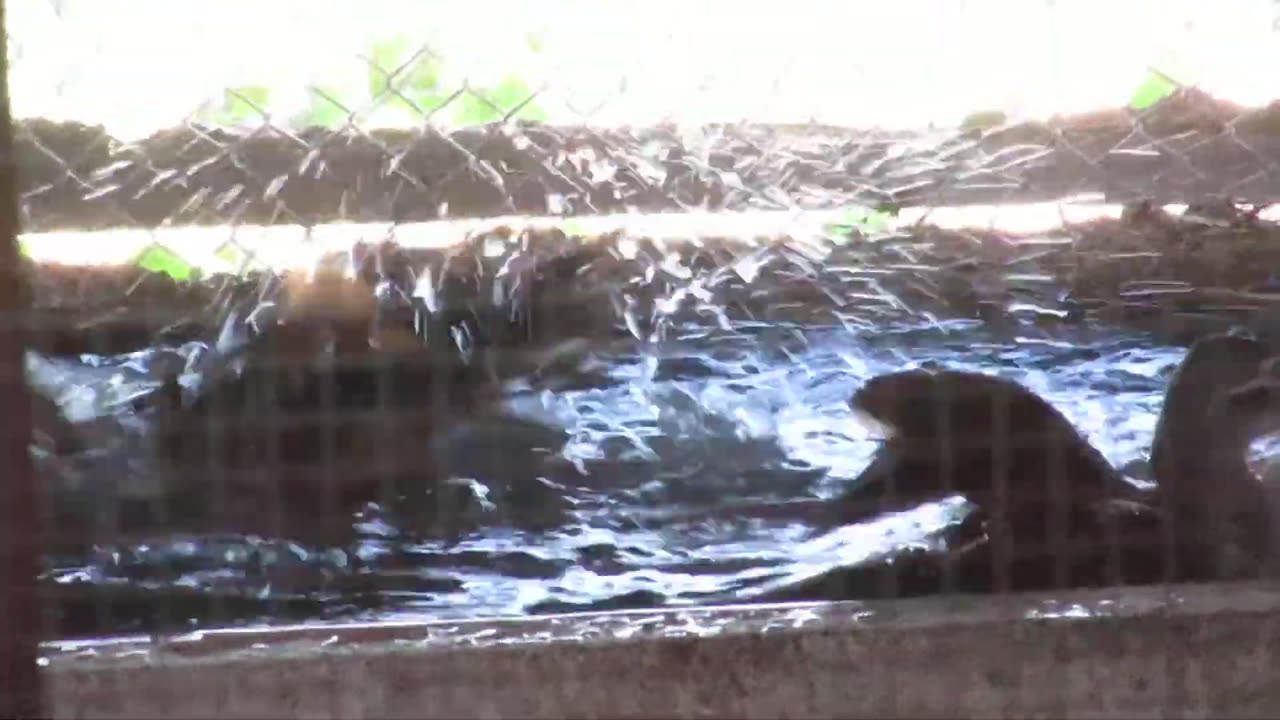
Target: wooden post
[(20, 617)]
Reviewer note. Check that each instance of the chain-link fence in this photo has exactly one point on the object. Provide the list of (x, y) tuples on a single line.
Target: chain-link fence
[(417, 419)]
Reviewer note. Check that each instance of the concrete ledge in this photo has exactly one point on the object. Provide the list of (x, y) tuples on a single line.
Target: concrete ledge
[(1153, 652)]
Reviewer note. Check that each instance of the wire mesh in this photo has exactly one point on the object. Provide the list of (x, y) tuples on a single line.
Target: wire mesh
[(558, 417)]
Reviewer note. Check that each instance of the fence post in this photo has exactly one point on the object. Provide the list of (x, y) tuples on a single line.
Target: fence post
[(20, 626)]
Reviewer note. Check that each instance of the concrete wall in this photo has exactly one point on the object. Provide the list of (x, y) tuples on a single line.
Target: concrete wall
[(1163, 652)]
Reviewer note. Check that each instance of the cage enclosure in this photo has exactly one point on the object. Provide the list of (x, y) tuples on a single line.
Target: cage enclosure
[(909, 359)]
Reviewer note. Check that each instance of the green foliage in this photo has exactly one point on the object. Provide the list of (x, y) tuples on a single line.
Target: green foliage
[(321, 111), (501, 99), (864, 220), (238, 106), (242, 104), (1154, 88), (158, 258), (398, 63), (405, 80), (417, 82)]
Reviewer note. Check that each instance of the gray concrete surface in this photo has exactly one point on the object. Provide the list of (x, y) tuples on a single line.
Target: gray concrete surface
[(1158, 652)]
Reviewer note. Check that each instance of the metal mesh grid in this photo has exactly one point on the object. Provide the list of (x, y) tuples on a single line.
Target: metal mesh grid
[(322, 402)]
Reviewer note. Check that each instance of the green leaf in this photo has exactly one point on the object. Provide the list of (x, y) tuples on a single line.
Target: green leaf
[(321, 112), (429, 101), (158, 258), (863, 219), (509, 93), (471, 110), (534, 41), (422, 76), (1156, 87), (231, 253), (385, 57), (246, 102), (419, 81)]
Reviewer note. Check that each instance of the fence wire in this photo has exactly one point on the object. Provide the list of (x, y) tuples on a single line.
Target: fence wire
[(1184, 149), (531, 420)]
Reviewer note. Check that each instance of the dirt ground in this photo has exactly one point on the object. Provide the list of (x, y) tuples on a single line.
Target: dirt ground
[(1207, 269), (1185, 148)]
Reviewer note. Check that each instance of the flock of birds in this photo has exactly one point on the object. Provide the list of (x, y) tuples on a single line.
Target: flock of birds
[(322, 394)]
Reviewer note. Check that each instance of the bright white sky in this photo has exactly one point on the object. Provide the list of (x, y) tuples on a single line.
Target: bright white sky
[(887, 62)]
